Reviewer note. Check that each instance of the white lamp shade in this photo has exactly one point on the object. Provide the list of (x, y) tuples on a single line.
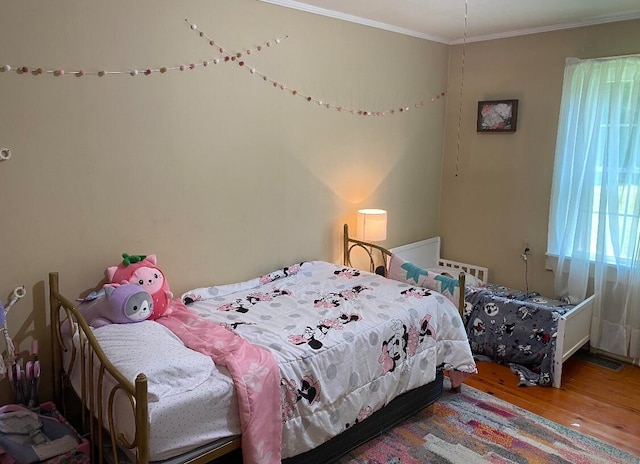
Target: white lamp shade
[(372, 225)]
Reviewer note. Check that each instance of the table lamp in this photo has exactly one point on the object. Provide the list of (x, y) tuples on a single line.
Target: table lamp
[(372, 225)]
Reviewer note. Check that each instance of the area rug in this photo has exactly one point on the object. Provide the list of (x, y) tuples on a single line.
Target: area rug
[(473, 427)]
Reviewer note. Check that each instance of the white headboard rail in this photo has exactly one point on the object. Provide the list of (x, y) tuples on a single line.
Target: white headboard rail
[(426, 254), (479, 272)]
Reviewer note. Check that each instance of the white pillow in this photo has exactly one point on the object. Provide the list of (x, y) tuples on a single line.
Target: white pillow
[(150, 348), (469, 279)]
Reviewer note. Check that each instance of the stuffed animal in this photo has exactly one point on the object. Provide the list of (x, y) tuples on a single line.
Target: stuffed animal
[(143, 271), (115, 304)]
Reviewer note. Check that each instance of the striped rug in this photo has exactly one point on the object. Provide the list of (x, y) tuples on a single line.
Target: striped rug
[(473, 427)]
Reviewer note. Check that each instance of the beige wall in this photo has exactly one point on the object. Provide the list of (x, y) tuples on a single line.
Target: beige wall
[(218, 173), (224, 177), (500, 197)]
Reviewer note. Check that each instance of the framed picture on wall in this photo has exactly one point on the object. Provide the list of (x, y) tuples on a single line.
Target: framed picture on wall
[(497, 115)]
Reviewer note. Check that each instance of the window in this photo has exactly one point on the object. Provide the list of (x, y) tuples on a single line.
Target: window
[(595, 202)]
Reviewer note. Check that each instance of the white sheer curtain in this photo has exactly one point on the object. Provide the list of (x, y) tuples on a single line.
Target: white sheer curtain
[(595, 201)]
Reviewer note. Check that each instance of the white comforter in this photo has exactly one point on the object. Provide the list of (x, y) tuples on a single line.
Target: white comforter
[(347, 342)]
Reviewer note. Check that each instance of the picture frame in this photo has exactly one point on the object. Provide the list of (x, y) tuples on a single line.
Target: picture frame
[(497, 116)]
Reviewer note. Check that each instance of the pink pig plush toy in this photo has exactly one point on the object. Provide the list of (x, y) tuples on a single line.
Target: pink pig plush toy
[(143, 271)]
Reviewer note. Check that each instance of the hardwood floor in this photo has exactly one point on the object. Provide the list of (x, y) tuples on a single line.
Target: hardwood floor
[(593, 400)]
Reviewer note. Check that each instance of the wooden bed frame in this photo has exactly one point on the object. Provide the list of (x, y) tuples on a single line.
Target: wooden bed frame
[(92, 410), (574, 327)]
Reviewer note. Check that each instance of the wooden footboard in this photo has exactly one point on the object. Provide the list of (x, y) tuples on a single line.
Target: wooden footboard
[(76, 360)]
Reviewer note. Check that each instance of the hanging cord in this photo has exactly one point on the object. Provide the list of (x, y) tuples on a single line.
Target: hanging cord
[(464, 43), (525, 258)]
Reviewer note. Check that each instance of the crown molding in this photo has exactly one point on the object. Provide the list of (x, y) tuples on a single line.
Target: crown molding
[(356, 19), (421, 35), (551, 28)]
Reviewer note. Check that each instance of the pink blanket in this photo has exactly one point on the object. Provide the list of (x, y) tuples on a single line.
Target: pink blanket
[(255, 374)]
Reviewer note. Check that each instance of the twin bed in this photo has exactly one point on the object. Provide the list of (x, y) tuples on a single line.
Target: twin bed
[(354, 353)]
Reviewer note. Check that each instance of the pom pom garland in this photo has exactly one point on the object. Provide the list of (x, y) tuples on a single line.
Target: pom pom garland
[(226, 58), (278, 85), (135, 72)]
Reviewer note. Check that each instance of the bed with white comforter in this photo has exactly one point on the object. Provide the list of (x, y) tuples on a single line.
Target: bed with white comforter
[(346, 343)]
